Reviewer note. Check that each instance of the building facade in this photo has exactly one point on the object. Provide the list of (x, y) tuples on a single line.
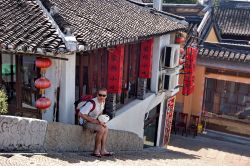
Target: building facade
[(222, 73), (90, 47)]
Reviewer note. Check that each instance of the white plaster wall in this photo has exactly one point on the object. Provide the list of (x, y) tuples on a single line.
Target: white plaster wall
[(157, 4), (54, 75), (131, 116), (67, 90), (159, 43)]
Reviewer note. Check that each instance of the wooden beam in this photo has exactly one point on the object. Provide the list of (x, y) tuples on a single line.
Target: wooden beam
[(228, 78), (33, 54)]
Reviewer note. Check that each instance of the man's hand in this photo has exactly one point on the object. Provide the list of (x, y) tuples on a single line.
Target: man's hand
[(102, 124)]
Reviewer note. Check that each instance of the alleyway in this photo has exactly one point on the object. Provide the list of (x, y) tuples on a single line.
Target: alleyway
[(181, 151)]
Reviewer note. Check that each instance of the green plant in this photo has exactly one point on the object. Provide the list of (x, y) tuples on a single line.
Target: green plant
[(3, 102)]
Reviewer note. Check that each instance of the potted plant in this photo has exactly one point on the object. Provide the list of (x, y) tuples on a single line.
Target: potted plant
[(3, 102)]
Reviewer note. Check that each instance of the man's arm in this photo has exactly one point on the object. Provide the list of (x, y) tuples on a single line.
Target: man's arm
[(88, 118)]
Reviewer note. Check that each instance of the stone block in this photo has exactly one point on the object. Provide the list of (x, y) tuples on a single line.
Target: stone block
[(21, 134)]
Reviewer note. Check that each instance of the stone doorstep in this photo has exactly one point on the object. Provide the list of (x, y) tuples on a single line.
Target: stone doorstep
[(227, 137)]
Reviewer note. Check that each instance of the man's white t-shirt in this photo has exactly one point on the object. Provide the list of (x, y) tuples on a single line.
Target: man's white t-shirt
[(99, 107)]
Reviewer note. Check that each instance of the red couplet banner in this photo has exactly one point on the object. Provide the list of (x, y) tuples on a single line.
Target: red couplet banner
[(115, 69), (146, 54), (189, 70), (169, 118)]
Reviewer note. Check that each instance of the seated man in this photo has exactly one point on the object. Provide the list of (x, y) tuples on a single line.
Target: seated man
[(91, 122)]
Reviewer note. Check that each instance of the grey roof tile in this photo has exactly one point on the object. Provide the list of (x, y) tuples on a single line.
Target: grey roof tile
[(23, 26), (233, 21), (96, 22)]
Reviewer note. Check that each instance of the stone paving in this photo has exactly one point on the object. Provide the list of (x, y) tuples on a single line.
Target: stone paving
[(182, 151)]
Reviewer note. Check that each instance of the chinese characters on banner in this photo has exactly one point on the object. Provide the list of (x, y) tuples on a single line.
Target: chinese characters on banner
[(169, 117), (146, 59), (189, 70), (115, 69)]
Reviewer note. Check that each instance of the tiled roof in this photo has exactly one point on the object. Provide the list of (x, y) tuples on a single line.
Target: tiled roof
[(98, 22), (234, 22), (228, 52), (24, 27)]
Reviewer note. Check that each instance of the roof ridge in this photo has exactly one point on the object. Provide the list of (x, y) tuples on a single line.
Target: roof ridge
[(25, 28), (49, 10)]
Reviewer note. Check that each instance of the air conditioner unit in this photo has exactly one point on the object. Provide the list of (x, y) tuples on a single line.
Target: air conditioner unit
[(170, 56), (171, 81)]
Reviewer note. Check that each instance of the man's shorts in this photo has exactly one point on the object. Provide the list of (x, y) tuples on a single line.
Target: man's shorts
[(92, 126)]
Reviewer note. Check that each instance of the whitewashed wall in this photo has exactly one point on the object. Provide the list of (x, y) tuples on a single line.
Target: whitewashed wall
[(67, 90), (54, 75), (131, 116), (62, 73)]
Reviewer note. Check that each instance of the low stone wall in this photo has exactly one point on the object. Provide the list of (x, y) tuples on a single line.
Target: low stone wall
[(21, 134), (229, 126), (26, 134), (64, 137)]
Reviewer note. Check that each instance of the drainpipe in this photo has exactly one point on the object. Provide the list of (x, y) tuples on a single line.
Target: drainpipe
[(157, 4)]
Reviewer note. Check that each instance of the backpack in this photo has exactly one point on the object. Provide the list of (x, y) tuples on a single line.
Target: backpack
[(81, 103)]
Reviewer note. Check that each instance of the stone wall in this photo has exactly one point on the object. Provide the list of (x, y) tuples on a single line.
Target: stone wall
[(62, 137), (229, 126), (26, 134), (21, 134)]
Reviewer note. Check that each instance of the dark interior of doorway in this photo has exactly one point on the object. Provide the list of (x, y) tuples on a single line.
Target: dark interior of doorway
[(151, 127)]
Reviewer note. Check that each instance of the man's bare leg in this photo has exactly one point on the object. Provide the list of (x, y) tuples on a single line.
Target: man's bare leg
[(98, 140), (104, 141)]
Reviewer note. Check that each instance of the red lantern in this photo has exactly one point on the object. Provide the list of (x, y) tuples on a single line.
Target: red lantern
[(181, 51), (43, 63), (179, 40), (42, 83), (43, 103)]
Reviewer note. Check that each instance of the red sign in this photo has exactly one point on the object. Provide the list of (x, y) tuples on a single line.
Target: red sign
[(169, 119), (189, 70), (115, 69), (146, 59)]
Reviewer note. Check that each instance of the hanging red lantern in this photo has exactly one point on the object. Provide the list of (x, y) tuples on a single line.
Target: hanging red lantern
[(43, 63), (181, 51), (42, 83), (43, 103), (179, 40)]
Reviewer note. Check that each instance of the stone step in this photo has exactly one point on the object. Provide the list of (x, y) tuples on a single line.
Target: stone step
[(226, 137)]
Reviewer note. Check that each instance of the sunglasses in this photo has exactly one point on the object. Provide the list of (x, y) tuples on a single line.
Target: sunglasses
[(102, 95)]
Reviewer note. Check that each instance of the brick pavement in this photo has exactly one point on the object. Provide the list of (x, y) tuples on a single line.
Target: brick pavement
[(182, 151)]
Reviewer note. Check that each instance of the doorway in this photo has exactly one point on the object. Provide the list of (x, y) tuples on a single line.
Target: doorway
[(17, 76), (151, 126)]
